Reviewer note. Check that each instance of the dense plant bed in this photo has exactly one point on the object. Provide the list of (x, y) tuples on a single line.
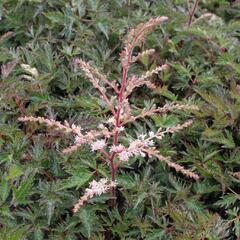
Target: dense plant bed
[(191, 191)]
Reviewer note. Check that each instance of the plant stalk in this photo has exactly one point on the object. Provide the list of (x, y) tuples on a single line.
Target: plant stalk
[(117, 116), (192, 12)]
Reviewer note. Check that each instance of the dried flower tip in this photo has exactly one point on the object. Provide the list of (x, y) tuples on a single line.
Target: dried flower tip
[(119, 148), (182, 107), (101, 126), (235, 174), (135, 148), (137, 34), (30, 70), (86, 67), (154, 71), (164, 109), (179, 126), (151, 134), (71, 149), (88, 138), (94, 77), (143, 54), (95, 188), (50, 123), (99, 144), (135, 82), (111, 120), (153, 152), (124, 156), (212, 17)]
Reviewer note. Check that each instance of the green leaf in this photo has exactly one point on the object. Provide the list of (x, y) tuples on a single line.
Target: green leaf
[(14, 172), (145, 60), (50, 210), (55, 17), (228, 200), (23, 191), (126, 181), (80, 7), (217, 136), (12, 233), (166, 93), (156, 234), (140, 199), (104, 29), (86, 219), (4, 189), (165, 120), (236, 228), (78, 179)]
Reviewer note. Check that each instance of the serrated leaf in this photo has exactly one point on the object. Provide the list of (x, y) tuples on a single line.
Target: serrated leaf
[(22, 192), (145, 60), (14, 172), (228, 200), (237, 228), (140, 199), (166, 93), (86, 219), (4, 189), (80, 7), (217, 136), (55, 17), (165, 120), (38, 234), (126, 181), (50, 210), (78, 179), (156, 234), (104, 29)]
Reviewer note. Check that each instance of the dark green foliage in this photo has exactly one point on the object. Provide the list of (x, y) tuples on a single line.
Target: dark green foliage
[(39, 185)]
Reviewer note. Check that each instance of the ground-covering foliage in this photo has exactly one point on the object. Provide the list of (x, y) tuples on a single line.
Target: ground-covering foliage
[(39, 185)]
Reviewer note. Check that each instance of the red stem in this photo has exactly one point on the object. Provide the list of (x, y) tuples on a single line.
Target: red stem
[(191, 14), (114, 166), (105, 153)]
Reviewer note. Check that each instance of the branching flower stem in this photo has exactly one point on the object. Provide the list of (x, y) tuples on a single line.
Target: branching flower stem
[(114, 166), (106, 138)]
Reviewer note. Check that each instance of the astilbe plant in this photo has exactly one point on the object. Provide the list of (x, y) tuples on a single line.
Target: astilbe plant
[(105, 138)]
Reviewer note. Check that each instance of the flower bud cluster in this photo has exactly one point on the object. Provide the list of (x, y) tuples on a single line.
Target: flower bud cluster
[(134, 149), (95, 188), (97, 145)]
